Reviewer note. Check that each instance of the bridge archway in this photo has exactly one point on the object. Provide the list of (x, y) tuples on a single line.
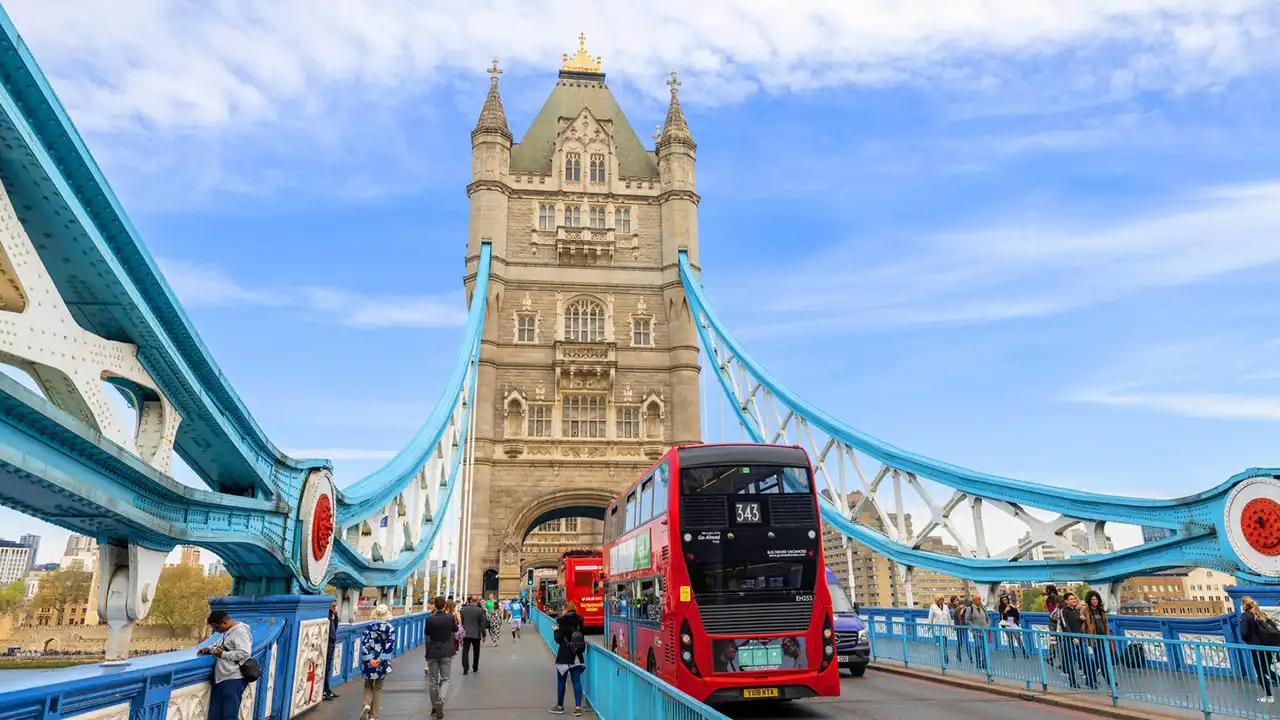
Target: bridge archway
[(567, 503)]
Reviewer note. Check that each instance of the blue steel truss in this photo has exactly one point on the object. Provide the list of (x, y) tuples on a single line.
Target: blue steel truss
[(770, 412)]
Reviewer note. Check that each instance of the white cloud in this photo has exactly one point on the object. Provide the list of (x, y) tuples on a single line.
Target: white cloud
[(1209, 406), (161, 65), (1002, 274), (208, 285), (343, 454)]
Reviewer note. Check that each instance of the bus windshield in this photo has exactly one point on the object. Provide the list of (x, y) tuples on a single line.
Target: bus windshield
[(721, 577), (743, 480)]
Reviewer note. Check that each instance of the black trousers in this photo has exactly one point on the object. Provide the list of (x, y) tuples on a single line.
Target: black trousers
[(474, 645), (328, 670)]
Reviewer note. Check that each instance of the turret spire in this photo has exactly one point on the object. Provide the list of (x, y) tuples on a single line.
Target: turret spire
[(492, 117), (675, 129)]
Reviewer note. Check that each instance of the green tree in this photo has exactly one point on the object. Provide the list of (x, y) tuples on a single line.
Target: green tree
[(61, 588), (13, 596), (1032, 600), (182, 598)]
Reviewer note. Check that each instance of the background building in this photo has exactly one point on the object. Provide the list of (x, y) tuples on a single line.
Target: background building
[(1152, 534), (216, 569), (1186, 591), (15, 560), (81, 552), (33, 542), (878, 581)]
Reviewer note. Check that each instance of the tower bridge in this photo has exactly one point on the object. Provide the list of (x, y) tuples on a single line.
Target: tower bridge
[(588, 328)]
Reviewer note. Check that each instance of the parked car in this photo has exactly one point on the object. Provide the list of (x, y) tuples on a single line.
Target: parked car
[(853, 642)]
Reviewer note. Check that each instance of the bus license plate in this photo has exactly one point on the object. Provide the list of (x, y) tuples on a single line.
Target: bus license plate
[(760, 692), (842, 658)]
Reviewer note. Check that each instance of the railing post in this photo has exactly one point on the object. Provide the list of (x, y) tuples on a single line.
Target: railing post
[(1111, 669), (986, 654), (942, 649), (1044, 676), (1204, 688), (906, 660), (871, 635)]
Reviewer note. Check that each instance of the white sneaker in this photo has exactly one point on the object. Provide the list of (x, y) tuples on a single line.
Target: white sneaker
[(366, 713), (1266, 699)]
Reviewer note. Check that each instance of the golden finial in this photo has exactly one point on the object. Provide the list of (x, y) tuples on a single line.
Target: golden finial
[(581, 61), (494, 71)]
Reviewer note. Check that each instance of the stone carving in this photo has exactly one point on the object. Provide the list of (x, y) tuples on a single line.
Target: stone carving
[(586, 353), (526, 303), (542, 450), (308, 674), (583, 452), (571, 381), (1153, 651), (642, 307), (633, 245), (540, 392), (188, 703), (275, 660), (1213, 656), (626, 390)]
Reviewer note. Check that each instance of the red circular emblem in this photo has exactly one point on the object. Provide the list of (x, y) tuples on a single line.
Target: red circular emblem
[(1260, 523), (321, 526)]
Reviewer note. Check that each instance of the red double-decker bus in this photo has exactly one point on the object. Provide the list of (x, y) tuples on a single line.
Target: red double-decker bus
[(579, 578), (713, 575)]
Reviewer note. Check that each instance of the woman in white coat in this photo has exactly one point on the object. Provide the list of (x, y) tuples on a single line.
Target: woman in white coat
[(940, 614)]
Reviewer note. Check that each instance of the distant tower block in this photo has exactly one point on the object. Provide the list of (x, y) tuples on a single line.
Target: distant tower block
[(589, 363)]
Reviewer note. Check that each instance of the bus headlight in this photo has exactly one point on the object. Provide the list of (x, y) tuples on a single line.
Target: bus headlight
[(812, 534), (684, 638), (828, 649), (826, 633), (828, 643), (686, 656), (686, 649)]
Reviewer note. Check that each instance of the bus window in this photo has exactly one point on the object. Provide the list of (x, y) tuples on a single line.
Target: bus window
[(612, 526), (737, 480), (660, 489), (633, 512), (651, 600), (646, 501)]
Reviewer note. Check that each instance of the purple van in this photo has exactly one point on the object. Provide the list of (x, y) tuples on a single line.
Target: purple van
[(853, 642)]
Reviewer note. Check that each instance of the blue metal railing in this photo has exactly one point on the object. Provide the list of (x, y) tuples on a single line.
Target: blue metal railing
[(1215, 678), (619, 690), (148, 685)]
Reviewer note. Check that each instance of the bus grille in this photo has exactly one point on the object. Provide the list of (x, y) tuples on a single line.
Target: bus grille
[(704, 512), (756, 619), (792, 510), (669, 652)]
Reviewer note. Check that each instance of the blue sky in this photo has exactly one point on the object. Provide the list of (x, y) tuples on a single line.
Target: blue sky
[(1031, 239)]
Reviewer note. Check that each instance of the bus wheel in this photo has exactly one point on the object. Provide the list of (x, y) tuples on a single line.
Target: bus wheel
[(651, 664)]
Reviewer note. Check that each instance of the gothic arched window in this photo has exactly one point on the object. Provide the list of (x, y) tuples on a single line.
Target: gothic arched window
[(597, 168), (572, 167), (584, 321)]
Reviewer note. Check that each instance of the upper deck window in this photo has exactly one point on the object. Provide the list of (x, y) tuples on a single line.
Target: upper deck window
[(744, 480)]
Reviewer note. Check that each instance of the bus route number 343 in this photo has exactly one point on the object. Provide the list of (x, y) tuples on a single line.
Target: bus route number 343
[(747, 512)]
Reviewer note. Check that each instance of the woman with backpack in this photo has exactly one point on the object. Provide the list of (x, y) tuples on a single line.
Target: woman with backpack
[(571, 657), (377, 647), (1259, 630)]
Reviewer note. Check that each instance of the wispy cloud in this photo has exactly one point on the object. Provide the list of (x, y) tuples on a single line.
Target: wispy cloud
[(343, 454), (162, 65), (209, 285), (1209, 406), (1003, 274)]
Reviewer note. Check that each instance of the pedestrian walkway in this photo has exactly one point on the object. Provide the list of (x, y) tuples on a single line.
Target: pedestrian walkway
[(515, 679)]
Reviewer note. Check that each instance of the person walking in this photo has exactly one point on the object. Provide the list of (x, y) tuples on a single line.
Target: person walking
[(941, 620), (571, 660), (231, 650), (962, 635), (493, 617), (329, 694), (976, 618), (1053, 606), (377, 647), (1073, 653), (473, 627), (1011, 622), (440, 631), (516, 608), (1095, 623), (1260, 631)]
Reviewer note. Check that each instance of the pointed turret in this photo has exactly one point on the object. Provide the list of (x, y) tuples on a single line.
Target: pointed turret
[(492, 117), (676, 130)]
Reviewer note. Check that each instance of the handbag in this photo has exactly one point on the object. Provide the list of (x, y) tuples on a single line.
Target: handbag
[(250, 670)]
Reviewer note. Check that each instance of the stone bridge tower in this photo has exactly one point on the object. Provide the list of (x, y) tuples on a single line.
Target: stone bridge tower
[(589, 358)]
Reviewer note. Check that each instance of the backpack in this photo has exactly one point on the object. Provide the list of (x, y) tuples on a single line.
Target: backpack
[(578, 642)]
